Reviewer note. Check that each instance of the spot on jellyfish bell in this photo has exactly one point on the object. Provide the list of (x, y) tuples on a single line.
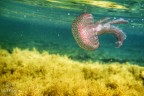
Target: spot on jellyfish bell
[(85, 31)]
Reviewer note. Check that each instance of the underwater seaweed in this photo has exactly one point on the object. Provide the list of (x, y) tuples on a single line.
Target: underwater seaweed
[(32, 73)]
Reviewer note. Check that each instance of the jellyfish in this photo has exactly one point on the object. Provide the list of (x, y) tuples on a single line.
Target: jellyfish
[(85, 31)]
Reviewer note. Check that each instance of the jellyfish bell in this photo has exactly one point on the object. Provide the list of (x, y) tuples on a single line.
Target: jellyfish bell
[(85, 31)]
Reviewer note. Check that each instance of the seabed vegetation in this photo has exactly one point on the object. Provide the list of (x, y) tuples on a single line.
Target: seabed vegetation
[(34, 73)]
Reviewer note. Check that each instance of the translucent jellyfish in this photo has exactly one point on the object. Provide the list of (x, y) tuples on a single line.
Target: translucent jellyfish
[(86, 31)]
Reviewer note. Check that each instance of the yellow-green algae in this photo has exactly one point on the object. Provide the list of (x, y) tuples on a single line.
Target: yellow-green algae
[(71, 4), (31, 73), (99, 3)]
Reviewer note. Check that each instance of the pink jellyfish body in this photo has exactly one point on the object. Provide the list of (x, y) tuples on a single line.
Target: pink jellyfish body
[(86, 31)]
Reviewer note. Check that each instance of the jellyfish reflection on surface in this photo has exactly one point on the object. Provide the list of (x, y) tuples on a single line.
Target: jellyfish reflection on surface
[(86, 31)]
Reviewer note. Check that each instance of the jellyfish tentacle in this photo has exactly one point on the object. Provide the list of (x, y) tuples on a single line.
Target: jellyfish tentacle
[(118, 33), (103, 20), (118, 21)]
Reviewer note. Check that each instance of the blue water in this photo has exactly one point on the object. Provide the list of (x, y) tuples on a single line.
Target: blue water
[(28, 26)]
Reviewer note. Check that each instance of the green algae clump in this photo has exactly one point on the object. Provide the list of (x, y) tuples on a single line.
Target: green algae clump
[(31, 73)]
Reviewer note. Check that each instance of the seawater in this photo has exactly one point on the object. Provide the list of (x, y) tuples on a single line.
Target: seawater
[(27, 26)]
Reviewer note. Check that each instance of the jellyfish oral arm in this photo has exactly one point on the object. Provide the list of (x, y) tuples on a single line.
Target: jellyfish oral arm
[(102, 27), (118, 33), (118, 21), (97, 28)]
